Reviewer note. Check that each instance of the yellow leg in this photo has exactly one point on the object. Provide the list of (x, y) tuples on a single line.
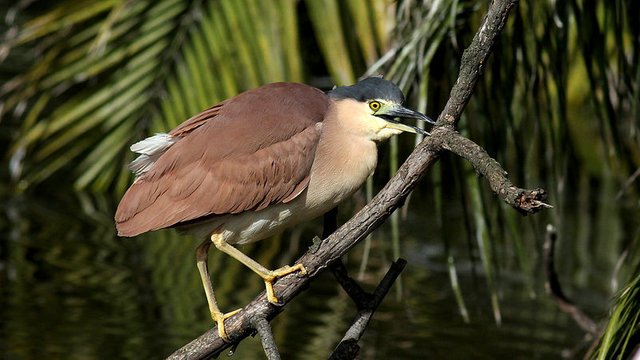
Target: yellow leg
[(269, 276), (202, 253)]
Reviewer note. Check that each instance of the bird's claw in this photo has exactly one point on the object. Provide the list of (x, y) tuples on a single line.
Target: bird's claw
[(219, 318), (285, 270)]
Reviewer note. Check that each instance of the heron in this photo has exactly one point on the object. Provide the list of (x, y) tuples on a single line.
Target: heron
[(255, 164)]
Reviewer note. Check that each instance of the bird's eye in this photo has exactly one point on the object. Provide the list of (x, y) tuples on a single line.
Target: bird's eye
[(374, 105)]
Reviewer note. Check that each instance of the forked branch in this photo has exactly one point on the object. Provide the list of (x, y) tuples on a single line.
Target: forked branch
[(366, 303)]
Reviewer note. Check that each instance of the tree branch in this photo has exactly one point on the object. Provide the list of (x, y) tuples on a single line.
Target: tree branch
[(372, 215), (523, 200), (367, 304), (266, 337), (473, 60)]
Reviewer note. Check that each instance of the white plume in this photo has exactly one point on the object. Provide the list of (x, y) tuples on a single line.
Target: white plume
[(150, 149)]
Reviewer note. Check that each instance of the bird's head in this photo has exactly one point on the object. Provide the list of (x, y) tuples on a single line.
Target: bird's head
[(373, 107)]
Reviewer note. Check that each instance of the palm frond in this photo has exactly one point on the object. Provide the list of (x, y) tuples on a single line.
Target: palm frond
[(622, 335), (97, 79), (109, 74)]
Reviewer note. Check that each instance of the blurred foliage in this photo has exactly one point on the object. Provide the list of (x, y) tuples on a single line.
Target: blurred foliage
[(558, 106), (104, 74), (621, 337)]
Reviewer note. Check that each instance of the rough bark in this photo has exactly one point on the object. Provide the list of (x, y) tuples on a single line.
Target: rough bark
[(392, 196)]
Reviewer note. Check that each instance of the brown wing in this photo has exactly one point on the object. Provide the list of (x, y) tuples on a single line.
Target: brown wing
[(247, 153)]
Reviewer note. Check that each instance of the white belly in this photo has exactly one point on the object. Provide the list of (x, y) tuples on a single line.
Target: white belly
[(251, 226)]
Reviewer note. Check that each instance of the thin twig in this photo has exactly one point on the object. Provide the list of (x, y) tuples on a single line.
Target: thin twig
[(553, 286), (523, 200), (627, 184)]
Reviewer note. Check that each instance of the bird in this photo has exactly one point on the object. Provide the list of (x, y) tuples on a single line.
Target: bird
[(260, 162)]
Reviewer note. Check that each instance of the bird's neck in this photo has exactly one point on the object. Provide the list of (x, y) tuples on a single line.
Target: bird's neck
[(344, 160)]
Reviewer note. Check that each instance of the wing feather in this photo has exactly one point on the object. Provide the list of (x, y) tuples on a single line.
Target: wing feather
[(244, 154)]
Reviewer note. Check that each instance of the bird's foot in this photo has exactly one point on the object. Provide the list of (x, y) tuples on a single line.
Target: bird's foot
[(219, 318), (274, 274)]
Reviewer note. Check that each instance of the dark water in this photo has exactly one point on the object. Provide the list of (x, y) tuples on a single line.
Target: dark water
[(70, 289)]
